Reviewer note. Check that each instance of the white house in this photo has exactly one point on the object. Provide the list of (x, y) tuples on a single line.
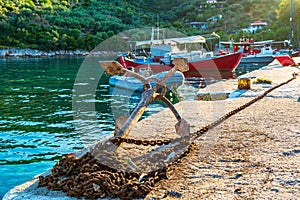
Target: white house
[(255, 26), (211, 1)]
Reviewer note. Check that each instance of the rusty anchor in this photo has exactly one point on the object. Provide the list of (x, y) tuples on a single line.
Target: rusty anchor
[(126, 123)]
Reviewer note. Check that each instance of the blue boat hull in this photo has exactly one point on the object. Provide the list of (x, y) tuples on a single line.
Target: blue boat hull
[(130, 83), (257, 59)]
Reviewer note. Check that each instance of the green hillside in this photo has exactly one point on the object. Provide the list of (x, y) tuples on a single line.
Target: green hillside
[(82, 24)]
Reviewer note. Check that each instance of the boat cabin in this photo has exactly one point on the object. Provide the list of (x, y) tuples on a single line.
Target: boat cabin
[(254, 48), (166, 50)]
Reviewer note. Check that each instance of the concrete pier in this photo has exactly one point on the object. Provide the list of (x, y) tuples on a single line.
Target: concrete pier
[(252, 155)]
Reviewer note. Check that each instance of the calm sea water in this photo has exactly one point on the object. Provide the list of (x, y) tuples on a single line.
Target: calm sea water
[(37, 125)]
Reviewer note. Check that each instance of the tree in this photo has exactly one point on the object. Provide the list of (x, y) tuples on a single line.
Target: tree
[(283, 15)]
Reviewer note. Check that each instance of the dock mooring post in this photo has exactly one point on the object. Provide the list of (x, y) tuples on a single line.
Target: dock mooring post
[(244, 83)]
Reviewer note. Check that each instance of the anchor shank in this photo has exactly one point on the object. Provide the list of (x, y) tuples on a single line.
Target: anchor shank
[(147, 97)]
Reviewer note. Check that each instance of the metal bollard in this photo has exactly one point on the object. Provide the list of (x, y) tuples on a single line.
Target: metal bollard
[(244, 83)]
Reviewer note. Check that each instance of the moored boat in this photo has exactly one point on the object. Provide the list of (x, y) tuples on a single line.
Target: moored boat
[(296, 53), (201, 63), (261, 53)]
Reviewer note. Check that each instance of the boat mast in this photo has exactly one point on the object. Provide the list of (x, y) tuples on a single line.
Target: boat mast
[(155, 29), (152, 34), (297, 37), (291, 22), (157, 25)]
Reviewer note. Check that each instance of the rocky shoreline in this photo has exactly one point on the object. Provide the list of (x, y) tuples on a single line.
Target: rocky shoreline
[(17, 52), (32, 53)]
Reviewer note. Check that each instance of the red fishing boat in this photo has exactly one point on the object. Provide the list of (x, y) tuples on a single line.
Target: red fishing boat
[(201, 63), (261, 52)]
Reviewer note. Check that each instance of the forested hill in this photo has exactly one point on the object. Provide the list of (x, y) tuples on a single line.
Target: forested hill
[(82, 24)]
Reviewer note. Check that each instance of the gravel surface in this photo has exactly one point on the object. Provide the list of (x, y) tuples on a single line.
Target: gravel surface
[(255, 155)]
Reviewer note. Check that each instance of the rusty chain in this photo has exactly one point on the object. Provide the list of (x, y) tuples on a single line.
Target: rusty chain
[(88, 177), (205, 128), (118, 140)]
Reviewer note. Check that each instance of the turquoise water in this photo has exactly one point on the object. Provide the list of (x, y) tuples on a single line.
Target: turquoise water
[(35, 107), (37, 126)]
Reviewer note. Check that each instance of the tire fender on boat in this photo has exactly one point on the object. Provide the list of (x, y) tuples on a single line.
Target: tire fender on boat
[(162, 63)]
